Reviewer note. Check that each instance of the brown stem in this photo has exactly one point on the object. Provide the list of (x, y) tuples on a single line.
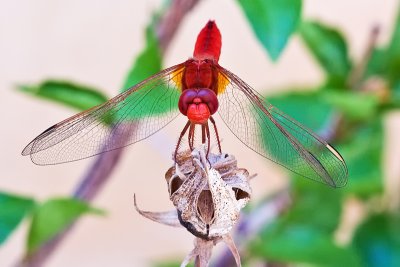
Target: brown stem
[(100, 171), (197, 262), (357, 74), (171, 19)]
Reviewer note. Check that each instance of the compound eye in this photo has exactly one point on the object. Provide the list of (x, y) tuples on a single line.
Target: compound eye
[(210, 98), (186, 99)]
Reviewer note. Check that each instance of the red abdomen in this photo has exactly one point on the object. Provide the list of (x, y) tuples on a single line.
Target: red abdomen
[(208, 44)]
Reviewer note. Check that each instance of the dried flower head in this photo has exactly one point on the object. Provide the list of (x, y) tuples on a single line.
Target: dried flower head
[(208, 194)]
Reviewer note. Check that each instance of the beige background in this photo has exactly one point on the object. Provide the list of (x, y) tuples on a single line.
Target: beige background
[(94, 42)]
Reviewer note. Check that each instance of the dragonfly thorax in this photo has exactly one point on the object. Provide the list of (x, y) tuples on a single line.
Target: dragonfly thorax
[(199, 74), (198, 104)]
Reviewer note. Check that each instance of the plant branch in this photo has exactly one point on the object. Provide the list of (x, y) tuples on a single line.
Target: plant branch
[(357, 74), (100, 171), (170, 21)]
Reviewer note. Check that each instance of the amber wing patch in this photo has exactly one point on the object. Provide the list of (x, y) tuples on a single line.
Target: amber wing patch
[(177, 76), (223, 81)]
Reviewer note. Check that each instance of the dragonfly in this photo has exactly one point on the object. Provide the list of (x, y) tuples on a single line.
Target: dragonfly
[(198, 89)]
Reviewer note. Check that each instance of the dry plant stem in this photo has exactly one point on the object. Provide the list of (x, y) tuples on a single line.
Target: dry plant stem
[(97, 175), (100, 171), (171, 19), (356, 75)]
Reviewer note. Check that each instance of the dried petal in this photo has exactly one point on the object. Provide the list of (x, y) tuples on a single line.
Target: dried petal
[(168, 218), (226, 207), (228, 240)]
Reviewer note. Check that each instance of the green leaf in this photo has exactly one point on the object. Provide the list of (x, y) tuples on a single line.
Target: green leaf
[(12, 210), (363, 154), (273, 22), (378, 241), (73, 95), (394, 45), (393, 53), (314, 110), (377, 65), (148, 62), (395, 97), (52, 217), (310, 205), (329, 48), (302, 243), (353, 105), (305, 233)]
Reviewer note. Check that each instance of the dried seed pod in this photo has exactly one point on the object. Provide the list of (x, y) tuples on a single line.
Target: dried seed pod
[(208, 198), (208, 194)]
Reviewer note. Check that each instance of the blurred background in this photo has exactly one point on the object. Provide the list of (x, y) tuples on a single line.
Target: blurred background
[(95, 43)]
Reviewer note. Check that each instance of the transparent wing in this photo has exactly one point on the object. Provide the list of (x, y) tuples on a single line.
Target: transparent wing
[(125, 119), (274, 135)]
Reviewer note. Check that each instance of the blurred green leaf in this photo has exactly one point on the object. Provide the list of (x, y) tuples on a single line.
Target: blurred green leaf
[(315, 204), (54, 216), (353, 105), (393, 52), (77, 96), (378, 241), (305, 232), (273, 22), (363, 154), (302, 243), (394, 45), (377, 65), (395, 97), (329, 48), (12, 210), (148, 62), (307, 107)]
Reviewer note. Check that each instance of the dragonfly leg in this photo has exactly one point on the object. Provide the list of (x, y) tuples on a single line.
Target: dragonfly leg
[(207, 129), (203, 133), (180, 138), (191, 135), (216, 134)]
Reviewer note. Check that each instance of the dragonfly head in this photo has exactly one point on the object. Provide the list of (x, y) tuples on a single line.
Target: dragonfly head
[(198, 104)]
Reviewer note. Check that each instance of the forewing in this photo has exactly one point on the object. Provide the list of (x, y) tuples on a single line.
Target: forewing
[(125, 119), (274, 135)]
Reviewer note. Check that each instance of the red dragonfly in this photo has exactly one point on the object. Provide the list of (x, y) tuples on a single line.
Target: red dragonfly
[(196, 88)]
